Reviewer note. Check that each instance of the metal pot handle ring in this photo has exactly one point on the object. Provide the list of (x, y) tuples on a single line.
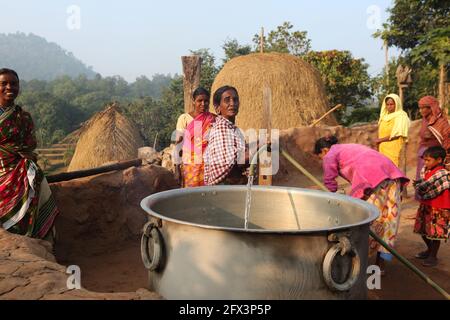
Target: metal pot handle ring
[(343, 247), (151, 233)]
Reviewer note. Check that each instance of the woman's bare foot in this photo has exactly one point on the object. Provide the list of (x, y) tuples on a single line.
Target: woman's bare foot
[(422, 255), (430, 262)]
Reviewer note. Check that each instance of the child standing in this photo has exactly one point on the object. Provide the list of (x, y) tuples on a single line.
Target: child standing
[(433, 215)]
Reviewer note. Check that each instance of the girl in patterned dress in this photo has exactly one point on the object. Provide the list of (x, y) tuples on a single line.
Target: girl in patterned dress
[(433, 215)]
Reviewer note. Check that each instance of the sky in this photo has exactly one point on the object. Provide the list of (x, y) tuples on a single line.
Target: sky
[(134, 38)]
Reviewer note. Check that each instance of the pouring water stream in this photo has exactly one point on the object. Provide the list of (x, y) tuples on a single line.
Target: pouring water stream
[(251, 177)]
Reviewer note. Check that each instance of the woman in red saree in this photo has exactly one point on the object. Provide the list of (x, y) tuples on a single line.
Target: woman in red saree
[(26, 203), (435, 130), (196, 139)]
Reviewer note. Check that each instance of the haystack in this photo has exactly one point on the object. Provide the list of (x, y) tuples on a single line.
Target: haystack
[(107, 137), (297, 90)]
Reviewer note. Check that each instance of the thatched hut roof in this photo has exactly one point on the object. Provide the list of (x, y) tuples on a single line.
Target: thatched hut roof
[(297, 90), (108, 136)]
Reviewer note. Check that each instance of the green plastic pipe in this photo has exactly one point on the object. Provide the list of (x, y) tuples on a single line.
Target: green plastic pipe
[(422, 275)]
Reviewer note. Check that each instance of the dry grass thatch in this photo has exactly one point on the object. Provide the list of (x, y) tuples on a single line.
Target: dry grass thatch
[(298, 93), (108, 136)]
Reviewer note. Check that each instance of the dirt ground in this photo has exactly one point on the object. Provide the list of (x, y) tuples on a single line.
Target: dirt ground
[(399, 281), (119, 270)]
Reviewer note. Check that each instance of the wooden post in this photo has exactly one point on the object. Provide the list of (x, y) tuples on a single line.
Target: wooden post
[(400, 92), (261, 41), (401, 88), (154, 142), (386, 62), (191, 79), (266, 180), (447, 96), (442, 81)]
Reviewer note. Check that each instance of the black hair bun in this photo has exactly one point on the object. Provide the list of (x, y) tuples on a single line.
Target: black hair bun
[(332, 139)]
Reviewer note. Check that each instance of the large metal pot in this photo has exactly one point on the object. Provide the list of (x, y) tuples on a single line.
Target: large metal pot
[(300, 244)]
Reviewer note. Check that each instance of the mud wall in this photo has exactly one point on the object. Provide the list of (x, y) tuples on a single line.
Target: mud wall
[(100, 211), (97, 213)]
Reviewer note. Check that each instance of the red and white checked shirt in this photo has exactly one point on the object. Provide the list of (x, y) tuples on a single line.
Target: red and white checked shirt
[(226, 148)]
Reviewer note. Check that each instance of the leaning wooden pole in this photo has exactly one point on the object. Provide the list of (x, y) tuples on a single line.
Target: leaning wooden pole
[(386, 62), (401, 89), (442, 81), (66, 176), (327, 113), (191, 79)]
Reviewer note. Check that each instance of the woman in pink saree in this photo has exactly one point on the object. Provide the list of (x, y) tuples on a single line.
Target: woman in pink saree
[(374, 178), (195, 140)]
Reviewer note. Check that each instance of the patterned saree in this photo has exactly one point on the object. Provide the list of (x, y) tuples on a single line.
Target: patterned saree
[(26, 203), (194, 145)]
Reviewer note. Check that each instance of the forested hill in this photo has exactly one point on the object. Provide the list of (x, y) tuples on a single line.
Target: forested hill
[(33, 57)]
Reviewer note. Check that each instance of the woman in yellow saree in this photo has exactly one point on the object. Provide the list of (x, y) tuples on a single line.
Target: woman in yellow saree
[(393, 127)]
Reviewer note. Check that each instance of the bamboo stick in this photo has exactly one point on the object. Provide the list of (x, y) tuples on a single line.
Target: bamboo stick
[(327, 113)]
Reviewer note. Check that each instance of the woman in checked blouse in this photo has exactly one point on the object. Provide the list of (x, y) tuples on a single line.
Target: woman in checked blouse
[(225, 157)]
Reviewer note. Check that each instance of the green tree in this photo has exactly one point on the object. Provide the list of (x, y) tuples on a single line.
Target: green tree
[(91, 102), (50, 114), (144, 87), (284, 40), (421, 28), (58, 135), (410, 20), (159, 82), (346, 79), (43, 137), (64, 88), (425, 78), (141, 87), (362, 115), (209, 69), (173, 103), (434, 47), (68, 155), (156, 118), (233, 49)]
